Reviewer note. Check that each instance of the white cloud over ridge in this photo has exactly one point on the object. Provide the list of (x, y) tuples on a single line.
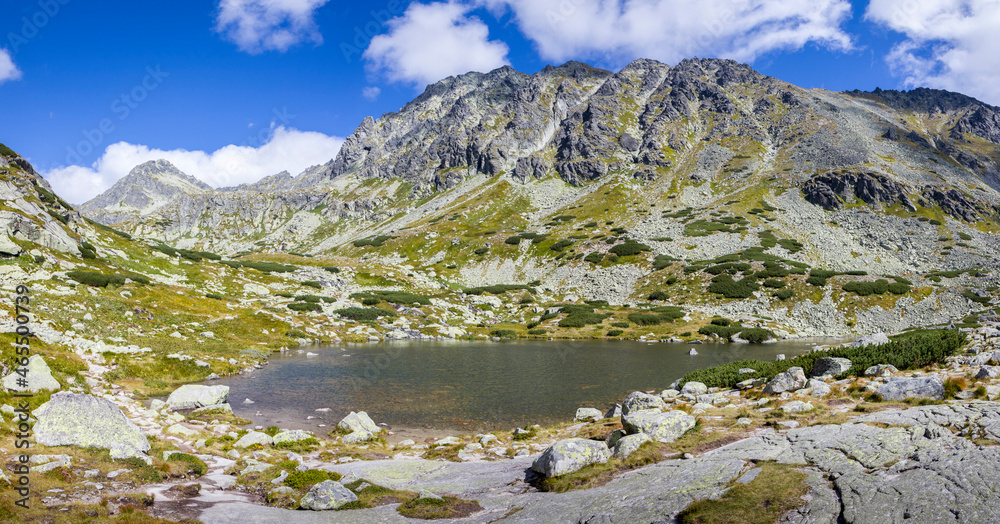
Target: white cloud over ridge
[(8, 70), (950, 44), (616, 31), (256, 26), (286, 150), (433, 41)]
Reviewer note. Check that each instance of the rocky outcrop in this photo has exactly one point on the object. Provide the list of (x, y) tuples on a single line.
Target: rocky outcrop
[(955, 203), (73, 419), (831, 190)]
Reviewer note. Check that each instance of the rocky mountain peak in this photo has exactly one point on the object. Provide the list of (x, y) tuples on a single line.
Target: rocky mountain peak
[(144, 190)]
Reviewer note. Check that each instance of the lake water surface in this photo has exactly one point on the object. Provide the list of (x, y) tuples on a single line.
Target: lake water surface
[(470, 385)]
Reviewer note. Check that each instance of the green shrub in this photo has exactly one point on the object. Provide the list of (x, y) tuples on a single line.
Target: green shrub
[(721, 321), (375, 241), (658, 295), (965, 236), (816, 281), (364, 314), (725, 285), (403, 297), (498, 289), (332, 269), (95, 279), (774, 283), (663, 262), (612, 257), (312, 284), (213, 296), (615, 332), (194, 464), (503, 333), (302, 480), (266, 267), (724, 332), (561, 245), (594, 258), (784, 294), (975, 298), (620, 324), (629, 248), (793, 246), (757, 335), (305, 306), (482, 250), (899, 288), (514, 240), (878, 287), (644, 319), (308, 298), (537, 332)]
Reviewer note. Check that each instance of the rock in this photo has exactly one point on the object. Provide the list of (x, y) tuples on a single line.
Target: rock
[(871, 340), (627, 445), (796, 406), (615, 411), (780, 356), (899, 388), (587, 415), (447, 441), (988, 372), (692, 352), (183, 431), (280, 478), (427, 495), (293, 435), (749, 383), (790, 380), (638, 400), (358, 436), (831, 366), (359, 421), (195, 396), (818, 387), (614, 437), (881, 370), (664, 427), (8, 247), (694, 388), (74, 419), (225, 408), (567, 456), (38, 377), (328, 494), (254, 438), (747, 371), (157, 404), (487, 439)]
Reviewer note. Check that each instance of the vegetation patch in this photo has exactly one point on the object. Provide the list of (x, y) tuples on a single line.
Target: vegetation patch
[(365, 314), (375, 241), (95, 279), (630, 247), (447, 507), (776, 490)]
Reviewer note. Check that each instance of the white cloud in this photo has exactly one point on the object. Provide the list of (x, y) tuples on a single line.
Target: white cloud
[(287, 150), (950, 44), (8, 71), (616, 31), (371, 92), (268, 25), (433, 41)]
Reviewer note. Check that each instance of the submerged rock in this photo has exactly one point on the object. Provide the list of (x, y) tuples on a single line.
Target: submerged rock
[(567, 456), (75, 419)]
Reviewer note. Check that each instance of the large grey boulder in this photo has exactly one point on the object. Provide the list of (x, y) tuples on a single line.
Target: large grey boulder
[(587, 415), (871, 340), (254, 438), (289, 436), (790, 380), (358, 436), (328, 494), (194, 396), (76, 419), (629, 444), (7, 246), (694, 388), (881, 370), (831, 366), (358, 421), (38, 377), (567, 456), (988, 372), (664, 427), (899, 388), (638, 400)]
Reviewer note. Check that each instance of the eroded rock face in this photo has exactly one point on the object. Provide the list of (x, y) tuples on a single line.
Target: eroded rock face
[(899, 388), (567, 456), (954, 203), (831, 190), (73, 419), (328, 494), (663, 427), (192, 396)]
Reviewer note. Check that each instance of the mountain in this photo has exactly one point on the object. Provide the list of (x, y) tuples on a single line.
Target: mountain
[(704, 161)]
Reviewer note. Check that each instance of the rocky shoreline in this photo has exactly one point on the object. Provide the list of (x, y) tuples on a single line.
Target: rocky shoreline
[(866, 458)]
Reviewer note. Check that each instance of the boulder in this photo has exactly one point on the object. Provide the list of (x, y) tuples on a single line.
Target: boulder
[(567, 456), (254, 438), (289, 436), (899, 388), (193, 396), (7, 246), (988, 372), (38, 377), (627, 445), (587, 415), (360, 420), (76, 419), (694, 388), (664, 427), (871, 340), (831, 366), (357, 437), (790, 380), (615, 411), (328, 494), (881, 370), (796, 406), (638, 400), (818, 387)]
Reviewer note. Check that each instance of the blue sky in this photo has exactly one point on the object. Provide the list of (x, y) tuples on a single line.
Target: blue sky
[(235, 90)]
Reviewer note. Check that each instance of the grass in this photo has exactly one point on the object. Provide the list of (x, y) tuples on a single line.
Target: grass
[(777, 490), (447, 507), (303, 480)]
